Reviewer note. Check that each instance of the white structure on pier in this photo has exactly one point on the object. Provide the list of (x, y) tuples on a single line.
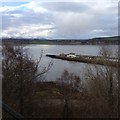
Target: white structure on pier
[(71, 55)]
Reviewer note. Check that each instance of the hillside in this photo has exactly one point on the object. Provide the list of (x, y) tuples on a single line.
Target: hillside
[(93, 41)]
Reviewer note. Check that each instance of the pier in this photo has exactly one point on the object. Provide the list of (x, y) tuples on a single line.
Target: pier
[(108, 61)]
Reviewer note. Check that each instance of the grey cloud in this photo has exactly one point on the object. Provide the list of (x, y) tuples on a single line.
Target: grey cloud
[(66, 6), (68, 20), (74, 24), (9, 20), (32, 17), (109, 24)]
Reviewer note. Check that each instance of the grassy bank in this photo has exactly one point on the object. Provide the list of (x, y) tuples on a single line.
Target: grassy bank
[(48, 102), (39, 42)]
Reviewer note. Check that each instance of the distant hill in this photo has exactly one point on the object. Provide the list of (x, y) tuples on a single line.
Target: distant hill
[(100, 40)]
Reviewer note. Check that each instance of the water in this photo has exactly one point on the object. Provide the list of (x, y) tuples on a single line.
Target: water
[(60, 65)]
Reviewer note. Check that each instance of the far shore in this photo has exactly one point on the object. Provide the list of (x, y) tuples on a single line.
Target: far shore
[(94, 41)]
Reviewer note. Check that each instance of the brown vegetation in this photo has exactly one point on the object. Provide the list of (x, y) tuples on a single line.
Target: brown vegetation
[(20, 73), (67, 97)]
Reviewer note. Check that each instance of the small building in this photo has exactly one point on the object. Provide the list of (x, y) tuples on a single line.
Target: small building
[(71, 55)]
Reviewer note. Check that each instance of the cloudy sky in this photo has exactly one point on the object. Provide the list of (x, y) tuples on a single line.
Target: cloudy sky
[(59, 19)]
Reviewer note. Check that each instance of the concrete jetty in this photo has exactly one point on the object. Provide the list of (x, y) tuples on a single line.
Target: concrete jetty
[(109, 61)]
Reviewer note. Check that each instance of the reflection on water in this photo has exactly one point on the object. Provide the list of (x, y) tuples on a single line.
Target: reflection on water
[(59, 65)]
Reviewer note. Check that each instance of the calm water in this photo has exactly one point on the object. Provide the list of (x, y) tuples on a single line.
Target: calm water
[(60, 65)]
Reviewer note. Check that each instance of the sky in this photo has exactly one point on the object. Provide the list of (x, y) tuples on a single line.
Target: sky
[(78, 19)]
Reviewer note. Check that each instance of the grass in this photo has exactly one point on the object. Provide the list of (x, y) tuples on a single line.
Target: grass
[(38, 42), (49, 103), (48, 94)]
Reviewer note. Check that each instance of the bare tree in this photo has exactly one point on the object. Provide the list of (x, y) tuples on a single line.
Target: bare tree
[(69, 83), (20, 73), (101, 80), (105, 51)]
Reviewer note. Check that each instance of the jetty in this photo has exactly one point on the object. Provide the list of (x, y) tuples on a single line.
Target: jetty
[(107, 61)]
